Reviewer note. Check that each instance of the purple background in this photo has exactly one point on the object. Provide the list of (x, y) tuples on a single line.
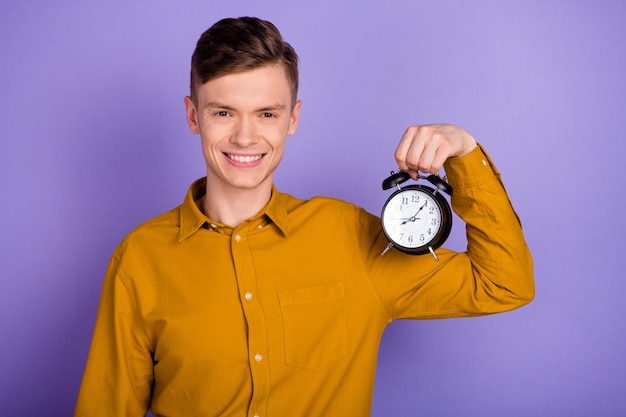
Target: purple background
[(94, 141)]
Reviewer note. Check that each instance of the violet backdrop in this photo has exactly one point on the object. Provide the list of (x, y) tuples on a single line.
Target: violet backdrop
[(94, 141)]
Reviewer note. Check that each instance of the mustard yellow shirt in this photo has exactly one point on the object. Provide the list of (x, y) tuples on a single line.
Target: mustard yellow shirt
[(283, 315)]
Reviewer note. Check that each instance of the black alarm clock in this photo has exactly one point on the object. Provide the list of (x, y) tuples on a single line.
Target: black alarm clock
[(416, 219)]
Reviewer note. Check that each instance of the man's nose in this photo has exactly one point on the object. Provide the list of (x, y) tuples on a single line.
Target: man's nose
[(244, 133)]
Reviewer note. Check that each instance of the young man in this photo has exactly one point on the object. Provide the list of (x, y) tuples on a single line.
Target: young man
[(244, 301)]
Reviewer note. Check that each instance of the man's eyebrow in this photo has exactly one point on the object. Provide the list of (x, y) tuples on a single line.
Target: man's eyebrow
[(217, 105), (272, 107)]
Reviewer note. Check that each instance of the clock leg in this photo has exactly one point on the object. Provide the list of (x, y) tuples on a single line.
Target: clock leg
[(389, 246)]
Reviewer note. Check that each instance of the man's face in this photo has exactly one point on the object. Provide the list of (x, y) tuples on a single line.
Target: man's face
[(243, 120)]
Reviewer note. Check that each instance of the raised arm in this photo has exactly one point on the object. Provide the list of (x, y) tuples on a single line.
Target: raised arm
[(494, 274)]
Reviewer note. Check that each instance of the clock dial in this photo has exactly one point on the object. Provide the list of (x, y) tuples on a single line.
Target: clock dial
[(416, 219), (412, 218)]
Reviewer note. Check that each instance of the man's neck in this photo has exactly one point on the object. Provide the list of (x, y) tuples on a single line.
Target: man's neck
[(234, 206)]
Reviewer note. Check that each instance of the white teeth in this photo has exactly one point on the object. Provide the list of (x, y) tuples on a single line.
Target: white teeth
[(245, 158)]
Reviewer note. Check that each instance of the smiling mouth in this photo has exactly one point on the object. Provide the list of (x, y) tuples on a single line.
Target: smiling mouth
[(244, 159)]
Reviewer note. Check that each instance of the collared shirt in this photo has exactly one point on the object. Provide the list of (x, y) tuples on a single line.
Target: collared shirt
[(283, 315)]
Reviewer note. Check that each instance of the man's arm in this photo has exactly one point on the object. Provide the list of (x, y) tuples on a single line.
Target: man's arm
[(495, 274), (118, 376)]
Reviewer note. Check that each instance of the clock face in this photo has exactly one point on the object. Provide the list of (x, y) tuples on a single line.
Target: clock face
[(413, 219)]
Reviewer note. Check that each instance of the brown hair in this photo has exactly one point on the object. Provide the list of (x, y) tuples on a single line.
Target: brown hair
[(235, 45)]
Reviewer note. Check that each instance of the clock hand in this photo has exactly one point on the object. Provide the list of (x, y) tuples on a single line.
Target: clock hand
[(410, 219), (414, 217)]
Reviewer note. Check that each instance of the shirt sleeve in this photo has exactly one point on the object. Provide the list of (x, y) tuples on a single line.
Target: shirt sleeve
[(494, 274), (119, 371)]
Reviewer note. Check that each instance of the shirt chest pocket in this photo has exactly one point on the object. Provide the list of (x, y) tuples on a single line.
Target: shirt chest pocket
[(314, 320)]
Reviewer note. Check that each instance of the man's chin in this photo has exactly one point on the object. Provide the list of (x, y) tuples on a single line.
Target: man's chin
[(250, 184)]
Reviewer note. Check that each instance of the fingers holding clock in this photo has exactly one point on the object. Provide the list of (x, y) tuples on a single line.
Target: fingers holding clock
[(425, 148)]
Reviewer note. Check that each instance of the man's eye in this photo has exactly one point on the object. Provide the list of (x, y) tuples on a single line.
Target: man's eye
[(269, 115), (221, 113)]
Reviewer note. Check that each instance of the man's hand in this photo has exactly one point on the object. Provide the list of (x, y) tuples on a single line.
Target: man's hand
[(425, 148)]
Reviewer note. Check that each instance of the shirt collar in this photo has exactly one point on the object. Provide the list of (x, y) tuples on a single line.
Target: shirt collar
[(192, 218), (276, 211)]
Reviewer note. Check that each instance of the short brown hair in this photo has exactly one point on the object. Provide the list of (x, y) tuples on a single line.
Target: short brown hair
[(235, 45)]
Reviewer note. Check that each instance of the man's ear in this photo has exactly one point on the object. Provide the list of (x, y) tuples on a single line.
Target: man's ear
[(294, 119), (192, 116)]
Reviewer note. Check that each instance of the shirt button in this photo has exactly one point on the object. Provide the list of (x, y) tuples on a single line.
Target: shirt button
[(248, 296), (484, 162), (260, 226), (237, 238), (258, 357)]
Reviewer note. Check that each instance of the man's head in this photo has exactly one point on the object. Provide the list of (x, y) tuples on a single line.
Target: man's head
[(243, 104), (242, 44)]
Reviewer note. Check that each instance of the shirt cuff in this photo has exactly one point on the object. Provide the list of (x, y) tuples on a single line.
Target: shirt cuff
[(470, 170)]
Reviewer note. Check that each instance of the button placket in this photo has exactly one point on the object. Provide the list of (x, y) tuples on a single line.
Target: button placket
[(257, 335)]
